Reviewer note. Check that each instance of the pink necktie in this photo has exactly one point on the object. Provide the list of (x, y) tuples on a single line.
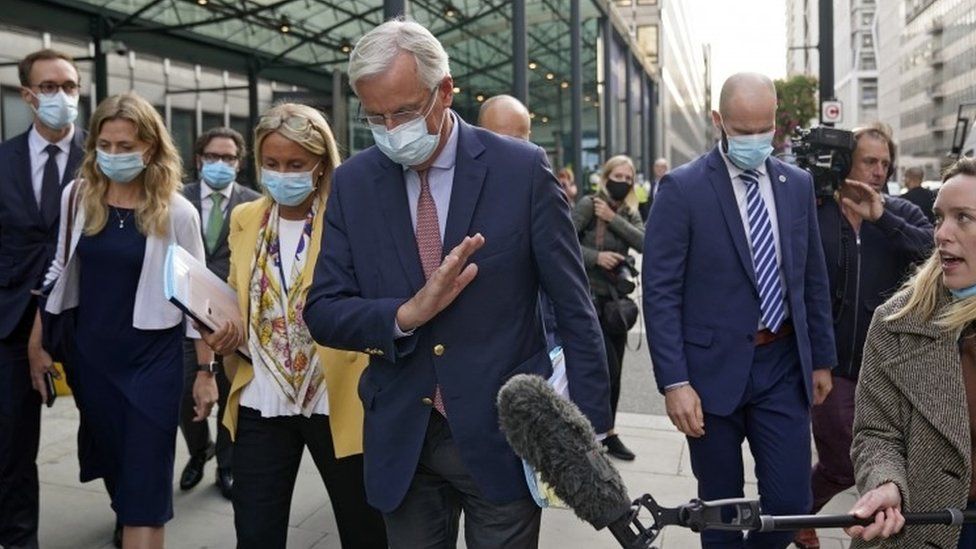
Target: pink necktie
[(429, 245)]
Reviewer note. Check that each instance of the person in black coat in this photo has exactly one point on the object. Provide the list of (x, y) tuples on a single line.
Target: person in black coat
[(917, 194)]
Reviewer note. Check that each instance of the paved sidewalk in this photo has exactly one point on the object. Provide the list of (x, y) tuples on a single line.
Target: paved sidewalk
[(77, 516)]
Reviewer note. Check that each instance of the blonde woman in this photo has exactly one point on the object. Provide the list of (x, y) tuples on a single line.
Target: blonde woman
[(915, 404), (609, 226), (296, 394), (127, 353)]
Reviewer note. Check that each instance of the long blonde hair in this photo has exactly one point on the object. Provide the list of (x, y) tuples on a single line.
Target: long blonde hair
[(160, 180), (611, 164), (306, 127)]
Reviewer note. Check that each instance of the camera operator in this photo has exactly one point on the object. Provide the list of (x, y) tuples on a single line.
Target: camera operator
[(609, 225), (870, 242)]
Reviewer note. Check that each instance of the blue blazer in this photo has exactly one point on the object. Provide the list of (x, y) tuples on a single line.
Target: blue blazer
[(701, 303), (369, 266), (27, 243)]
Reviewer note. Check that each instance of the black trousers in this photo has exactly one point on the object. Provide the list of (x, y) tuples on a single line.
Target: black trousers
[(197, 433), (441, 489), (615, 344), (267, 454), (20, 431)]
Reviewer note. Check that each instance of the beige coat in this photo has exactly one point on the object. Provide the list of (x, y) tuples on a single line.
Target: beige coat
[(911, 422)]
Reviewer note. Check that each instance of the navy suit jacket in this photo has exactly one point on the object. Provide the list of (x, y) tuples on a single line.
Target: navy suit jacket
[(27, 243), (701, 303), (369, 266)]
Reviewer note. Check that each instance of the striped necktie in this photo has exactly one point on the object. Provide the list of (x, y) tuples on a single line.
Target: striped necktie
[(772, 307)]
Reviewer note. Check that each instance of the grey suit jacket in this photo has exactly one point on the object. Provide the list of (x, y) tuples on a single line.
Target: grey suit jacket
[(911, 424), (218, 259)]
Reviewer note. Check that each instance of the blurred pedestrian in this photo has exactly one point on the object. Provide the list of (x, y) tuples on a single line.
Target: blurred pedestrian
[(394, 280), (34, 167), (917, 194), (609, 226), (219, 153), (505, 115), (661, 169), (738, 311), (293, 393), (127, 209), (567, 180), (915, 407)]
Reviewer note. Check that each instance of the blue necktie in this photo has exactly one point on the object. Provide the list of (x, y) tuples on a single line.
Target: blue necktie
[(764, 261)]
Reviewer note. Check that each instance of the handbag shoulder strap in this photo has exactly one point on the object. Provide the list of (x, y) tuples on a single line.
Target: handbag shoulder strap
[(72, 206)]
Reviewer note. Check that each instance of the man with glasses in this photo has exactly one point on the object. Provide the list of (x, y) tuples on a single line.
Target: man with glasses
[(437, 243), (34, 167), (219, 155)]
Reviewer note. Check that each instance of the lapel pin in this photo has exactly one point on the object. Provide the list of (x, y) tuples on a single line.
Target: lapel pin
[(782, 179)]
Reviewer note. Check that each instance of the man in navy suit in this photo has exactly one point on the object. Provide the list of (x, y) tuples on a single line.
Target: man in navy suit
[(34, 167), (738, 312), (438, 240)]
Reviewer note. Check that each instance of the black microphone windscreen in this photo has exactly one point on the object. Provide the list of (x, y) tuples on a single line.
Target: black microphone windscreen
[(554, 437)]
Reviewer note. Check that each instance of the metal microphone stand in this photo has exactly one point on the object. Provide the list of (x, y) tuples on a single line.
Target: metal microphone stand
[(744, 514)]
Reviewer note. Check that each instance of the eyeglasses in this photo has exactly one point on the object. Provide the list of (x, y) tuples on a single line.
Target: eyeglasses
[(50, 88), (214, 157), (293, 122), (397, 118)]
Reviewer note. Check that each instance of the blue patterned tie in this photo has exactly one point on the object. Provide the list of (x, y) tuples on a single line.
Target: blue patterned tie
[(764, 261)]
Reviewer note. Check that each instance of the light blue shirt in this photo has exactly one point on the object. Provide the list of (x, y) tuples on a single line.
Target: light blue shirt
[(440, 176)]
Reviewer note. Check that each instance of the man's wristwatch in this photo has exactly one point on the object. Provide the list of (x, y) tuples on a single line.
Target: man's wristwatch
[(211, 367)]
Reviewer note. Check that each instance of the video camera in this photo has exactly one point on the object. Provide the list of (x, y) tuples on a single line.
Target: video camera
[(827, 154)]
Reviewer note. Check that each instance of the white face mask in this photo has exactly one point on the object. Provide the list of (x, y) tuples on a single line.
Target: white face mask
[(408, 144)]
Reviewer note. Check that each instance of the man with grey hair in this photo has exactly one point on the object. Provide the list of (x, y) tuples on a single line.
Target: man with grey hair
[(738, 312), (438, 242), (505, 115), (917, 194)]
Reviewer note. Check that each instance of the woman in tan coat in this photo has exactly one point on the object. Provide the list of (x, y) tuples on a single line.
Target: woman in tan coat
[(293, 394), (915, 407)]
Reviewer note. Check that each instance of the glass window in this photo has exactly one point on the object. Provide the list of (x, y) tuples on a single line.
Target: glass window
[(183, 126), (212, 120), (868, 62), (647, 41), (17, 115), (867, 40), (646, 2), (869, 93), (867, 17)]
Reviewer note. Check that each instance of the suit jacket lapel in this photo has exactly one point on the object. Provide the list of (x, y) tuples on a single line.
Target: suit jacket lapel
[(469, 176), (730, 211), (390, 189), (784, 214)]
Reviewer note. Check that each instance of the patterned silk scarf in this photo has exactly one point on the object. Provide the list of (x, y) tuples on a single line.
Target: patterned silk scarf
[(284, 346)]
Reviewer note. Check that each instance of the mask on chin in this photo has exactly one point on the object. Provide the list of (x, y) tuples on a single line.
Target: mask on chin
[(748, 152)]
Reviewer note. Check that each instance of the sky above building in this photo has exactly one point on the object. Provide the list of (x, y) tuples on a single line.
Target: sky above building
[(745, 35)]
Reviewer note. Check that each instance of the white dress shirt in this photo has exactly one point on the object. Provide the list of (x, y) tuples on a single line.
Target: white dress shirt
[(38, 157), (766, 191), (206, 203)]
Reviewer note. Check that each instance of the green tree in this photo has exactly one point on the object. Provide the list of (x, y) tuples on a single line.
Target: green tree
[(797, 98)]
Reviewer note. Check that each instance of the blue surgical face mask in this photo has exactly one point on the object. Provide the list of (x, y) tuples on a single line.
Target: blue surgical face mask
[(56, 110), (288, 189), (122, 167), (748, 151), (963, 293), (217, 175), (408, 144)]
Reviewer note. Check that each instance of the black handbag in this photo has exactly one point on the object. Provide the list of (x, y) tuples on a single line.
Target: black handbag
[(619, 313), (58, 330)]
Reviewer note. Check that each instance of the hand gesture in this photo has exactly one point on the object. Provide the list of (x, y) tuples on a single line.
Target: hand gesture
[(602, 210), (685, 410), (443, 286), (884, 502), (863, 200), (609, 260), (224, 341)]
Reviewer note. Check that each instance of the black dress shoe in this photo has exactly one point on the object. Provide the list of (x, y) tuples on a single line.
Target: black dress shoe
[(193, 472), (117, 535), (225, 481), (617, 449)]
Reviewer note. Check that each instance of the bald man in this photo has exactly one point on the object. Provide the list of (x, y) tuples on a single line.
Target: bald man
[(505, 115), (917, 194), (738, 311)]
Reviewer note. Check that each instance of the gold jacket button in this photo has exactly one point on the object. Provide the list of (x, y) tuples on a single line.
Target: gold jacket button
[(438, 350), (427, 401)]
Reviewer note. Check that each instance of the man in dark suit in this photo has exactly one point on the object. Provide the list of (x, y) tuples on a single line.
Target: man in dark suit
[(219, 154), (34, 167), (394, 280), (917, 194), (738, 312)]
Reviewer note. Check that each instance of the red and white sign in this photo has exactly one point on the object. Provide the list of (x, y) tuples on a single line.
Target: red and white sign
[(831, 112)]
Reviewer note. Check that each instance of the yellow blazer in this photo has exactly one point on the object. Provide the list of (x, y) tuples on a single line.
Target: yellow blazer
[(342, 368)]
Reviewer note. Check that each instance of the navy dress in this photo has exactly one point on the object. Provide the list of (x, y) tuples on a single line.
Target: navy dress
[(131, 379)]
